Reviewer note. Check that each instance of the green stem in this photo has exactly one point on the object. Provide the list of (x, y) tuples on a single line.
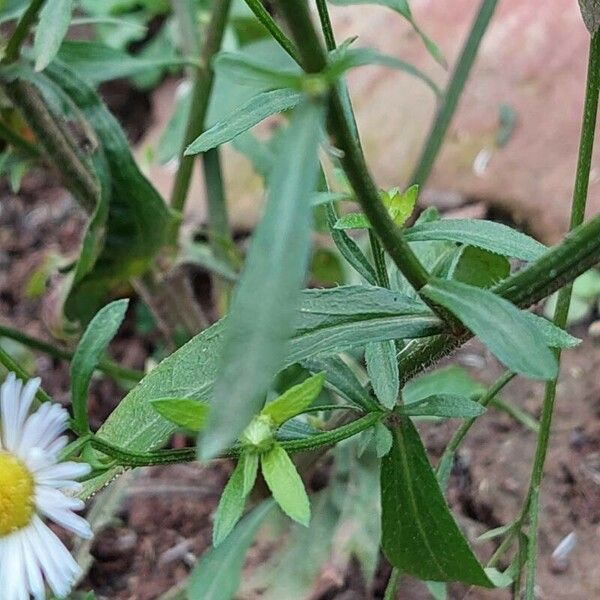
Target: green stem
[(314, 60), (453, 93), (19, 143), (326, 25), (261, 13), (447, 459), (561, 312), (392, 585), (12, 365), (107, 366), (201, 93), (13, 47), (161, 457)]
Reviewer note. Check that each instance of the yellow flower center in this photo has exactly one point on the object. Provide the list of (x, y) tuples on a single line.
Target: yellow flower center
[(16, 494)]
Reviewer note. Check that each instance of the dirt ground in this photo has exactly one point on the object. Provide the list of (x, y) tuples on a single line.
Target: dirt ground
[(164, 521)]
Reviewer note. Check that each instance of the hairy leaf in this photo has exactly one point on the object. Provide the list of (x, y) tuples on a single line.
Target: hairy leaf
[(52, 27), (444, 405), (382, 367), (507, 331), (89, 352), (488, 235), (246, 116), (183, 412)]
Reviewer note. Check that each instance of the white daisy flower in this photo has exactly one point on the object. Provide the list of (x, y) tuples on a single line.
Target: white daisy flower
[(31, 480)]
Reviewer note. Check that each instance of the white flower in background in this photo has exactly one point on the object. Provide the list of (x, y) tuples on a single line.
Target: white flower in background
[(31, 480)]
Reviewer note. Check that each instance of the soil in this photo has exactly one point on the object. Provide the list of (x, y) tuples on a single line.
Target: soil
[(164, 520)]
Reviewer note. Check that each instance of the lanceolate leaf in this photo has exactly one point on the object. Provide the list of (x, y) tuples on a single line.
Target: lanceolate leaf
[(479, 267), (52, 28), (488, 235), (452, 380), (501, 326), (90, 351), (285, 484), (420, 535), (217, 574), (183, 412), (246, 116), (260, 320), (382, 367), (246, 70), (444, 405), (295, 400)]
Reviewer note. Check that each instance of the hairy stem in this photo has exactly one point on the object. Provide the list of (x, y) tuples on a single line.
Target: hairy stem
[(12, 365), (453, 93), (561, 312)]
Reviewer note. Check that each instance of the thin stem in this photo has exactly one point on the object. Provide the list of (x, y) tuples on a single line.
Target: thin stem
[(459, 435), (201, 93), (13, 47), (453, 93), (107, 366), (314, 60), (580, 192), (326, 25), (392, 585), (261, 13), (12, 365)]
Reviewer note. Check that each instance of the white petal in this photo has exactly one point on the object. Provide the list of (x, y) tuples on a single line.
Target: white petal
[(9, 409), (67, 471), (58, 508), (12, 576), (49, 497), (33, 571), (58, 565), (43, 428)]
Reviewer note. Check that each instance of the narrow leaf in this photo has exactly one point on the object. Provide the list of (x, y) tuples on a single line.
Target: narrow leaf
[(383, 439), (217, 575), (100, 331), (444, 405), (382, 367), (285, 484), (231, 504), (250, 471), (509, 334), (352, 221), (246, 116), (295, 400), (52, 27), (183, 412), (590, 11), (555, 336), (479, 267), (420, 535), (488, 235), (259, 324), (452, 380)]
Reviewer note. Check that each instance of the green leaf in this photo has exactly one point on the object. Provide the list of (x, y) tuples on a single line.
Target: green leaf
[(353, 220), (478, 267), (344, 59), (489, 235), (444, 405), (251, 71), (89, 352), (402, 7), (52, 27), (382, 367), (217, 575), (96, 63), (452, 380), (183, 412), (590, 11), (233, 498), (259, 324), (285, 484), (349, 250), (248, 115), (509, 334), (340, 377), (555, 336), (295, 400), (401, 205), (191, 371), (383, 439), (420, 535)]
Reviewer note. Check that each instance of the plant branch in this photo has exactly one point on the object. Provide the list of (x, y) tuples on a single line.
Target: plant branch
[(453, 93), (19, 143), (580, 193), (13, 47), (107, 366), (12, 365), (201, 93)]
